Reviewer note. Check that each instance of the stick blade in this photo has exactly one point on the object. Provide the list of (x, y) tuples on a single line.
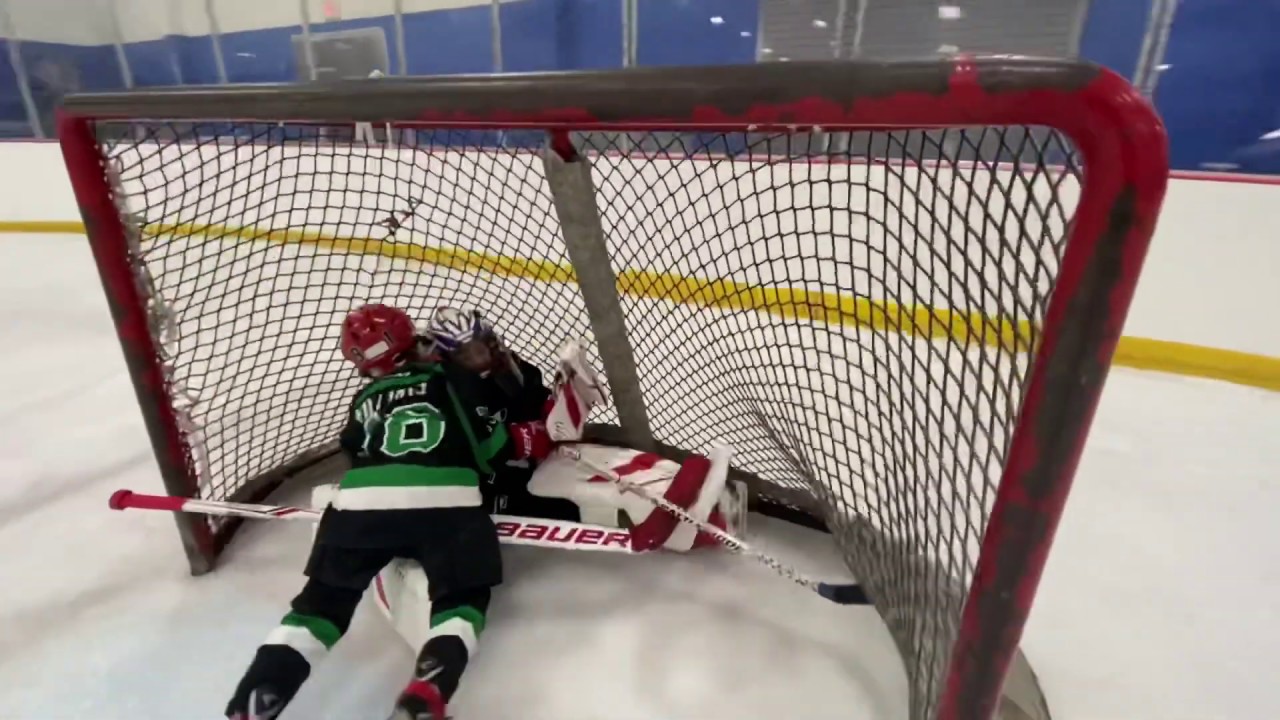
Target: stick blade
[(851, 594)]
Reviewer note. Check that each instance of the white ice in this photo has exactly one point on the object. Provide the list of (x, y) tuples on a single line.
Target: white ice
[(1161, 599)]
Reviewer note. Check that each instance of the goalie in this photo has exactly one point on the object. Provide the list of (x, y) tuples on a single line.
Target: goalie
[(560, 488)]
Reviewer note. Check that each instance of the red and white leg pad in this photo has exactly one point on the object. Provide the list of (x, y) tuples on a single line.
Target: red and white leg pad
[(699, 485)]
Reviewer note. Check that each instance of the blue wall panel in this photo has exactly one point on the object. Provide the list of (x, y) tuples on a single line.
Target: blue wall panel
[(449, 42), (154, 63), (196, 58), (1221, 92), (589, 34), (1221, 95), (681, 32), (260, 56), (1113, 33), (529, 36), (55, 68), (13, 116)]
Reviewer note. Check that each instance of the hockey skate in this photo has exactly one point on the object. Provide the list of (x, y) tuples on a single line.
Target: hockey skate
[(730, 515), (269, 684), (263, 704), (733, 507), (421, 700)]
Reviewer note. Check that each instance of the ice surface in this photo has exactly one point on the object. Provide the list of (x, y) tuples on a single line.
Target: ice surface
[(1161, 600), (1162, 596), (102, 620)]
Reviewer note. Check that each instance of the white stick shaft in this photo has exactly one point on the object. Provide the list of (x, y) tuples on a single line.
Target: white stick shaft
[(246, 510), (512, 530)]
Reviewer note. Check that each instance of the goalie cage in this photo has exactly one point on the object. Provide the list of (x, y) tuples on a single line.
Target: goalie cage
[(895, 288)]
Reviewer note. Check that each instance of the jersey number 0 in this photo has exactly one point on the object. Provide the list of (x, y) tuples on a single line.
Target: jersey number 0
[(418, 427)]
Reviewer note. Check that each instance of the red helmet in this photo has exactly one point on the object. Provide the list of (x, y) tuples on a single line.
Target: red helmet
[(375, 338)]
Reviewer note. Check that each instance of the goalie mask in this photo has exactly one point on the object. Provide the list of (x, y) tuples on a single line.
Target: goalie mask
[(470, 342)]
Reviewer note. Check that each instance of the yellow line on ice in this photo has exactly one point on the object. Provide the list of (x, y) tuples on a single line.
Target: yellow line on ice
[(829, 308)]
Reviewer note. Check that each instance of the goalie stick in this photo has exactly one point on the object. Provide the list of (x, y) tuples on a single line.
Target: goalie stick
[(512, 530), (839, 593)]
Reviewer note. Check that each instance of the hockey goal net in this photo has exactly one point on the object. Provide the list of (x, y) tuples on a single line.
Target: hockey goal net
[(895, 289)]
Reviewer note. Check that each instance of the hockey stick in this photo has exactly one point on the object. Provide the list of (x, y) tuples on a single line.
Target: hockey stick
[(512, 530), (841, 594)]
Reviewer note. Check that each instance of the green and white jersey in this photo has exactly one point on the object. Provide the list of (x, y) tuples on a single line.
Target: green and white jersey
[(417, 440)]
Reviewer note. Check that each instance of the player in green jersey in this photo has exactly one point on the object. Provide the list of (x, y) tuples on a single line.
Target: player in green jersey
[(420, 436)]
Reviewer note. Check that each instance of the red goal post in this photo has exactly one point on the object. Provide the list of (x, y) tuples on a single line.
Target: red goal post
[(870, 389)]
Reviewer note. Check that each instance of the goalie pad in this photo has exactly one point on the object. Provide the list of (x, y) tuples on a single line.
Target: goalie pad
[(699, 485)]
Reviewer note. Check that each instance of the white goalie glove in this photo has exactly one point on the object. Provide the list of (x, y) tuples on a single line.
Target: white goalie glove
[(576, 391)]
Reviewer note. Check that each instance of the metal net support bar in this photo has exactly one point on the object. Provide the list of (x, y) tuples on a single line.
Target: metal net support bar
[(574, 194)]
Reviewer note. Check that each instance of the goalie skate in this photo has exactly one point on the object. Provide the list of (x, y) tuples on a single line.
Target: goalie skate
[(733, 507)]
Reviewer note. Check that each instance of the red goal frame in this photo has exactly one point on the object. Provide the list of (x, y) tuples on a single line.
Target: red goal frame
[(1120, 140)]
